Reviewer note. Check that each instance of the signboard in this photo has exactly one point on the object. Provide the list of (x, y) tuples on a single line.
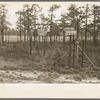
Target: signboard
[(42, 31), (70, 31)]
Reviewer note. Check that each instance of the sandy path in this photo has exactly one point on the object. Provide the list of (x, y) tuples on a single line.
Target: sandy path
[(39, 77)]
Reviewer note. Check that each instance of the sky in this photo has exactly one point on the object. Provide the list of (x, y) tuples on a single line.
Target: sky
[(15, 6)]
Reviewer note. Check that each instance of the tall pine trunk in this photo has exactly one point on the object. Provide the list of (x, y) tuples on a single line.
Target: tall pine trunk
[(2, 36), (86, 28), (63, 37)]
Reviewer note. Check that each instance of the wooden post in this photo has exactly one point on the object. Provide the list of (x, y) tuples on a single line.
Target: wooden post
[(8, 36), (27, 36), (63, 37), (82, 52), (20, 36), (50, 40), (77, 53), (2, 35), (73, 51), (69, 58), (34, 40), (17, 37), (44, 46), (46, 40), (5, 35), (56, 42), (24, 35), (54, 39), (0, 39), (39, 39), (42, 38), (30, 45)]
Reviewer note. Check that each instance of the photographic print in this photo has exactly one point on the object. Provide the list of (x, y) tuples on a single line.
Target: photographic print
[(49, 42)]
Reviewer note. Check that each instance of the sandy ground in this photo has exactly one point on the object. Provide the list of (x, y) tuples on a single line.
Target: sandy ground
[(22, 76), (39, 77)]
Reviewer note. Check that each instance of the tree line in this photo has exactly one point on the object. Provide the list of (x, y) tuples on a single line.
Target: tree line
[(85, 19)]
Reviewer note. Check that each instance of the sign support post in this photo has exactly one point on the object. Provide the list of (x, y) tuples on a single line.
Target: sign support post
[(77, 52), (82, 52), (73, 51), (69, 58), (71, 32)]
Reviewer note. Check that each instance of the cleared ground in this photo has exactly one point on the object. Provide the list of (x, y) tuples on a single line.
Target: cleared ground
[(18, 66)]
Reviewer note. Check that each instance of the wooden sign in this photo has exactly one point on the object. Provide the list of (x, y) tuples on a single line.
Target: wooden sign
[(70, 31)]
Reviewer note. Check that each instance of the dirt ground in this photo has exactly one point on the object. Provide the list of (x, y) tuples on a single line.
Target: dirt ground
[(18, 66)]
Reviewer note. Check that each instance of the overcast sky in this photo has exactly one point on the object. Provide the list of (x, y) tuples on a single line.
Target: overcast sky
[(15, 6)]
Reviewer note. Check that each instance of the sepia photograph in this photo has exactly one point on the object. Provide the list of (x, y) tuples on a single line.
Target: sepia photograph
[(49, 42)]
